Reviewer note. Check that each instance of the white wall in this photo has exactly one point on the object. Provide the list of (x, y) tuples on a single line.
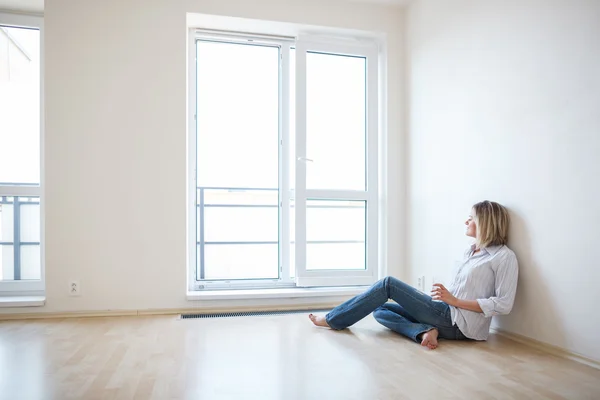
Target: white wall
[(116, 142), (505, 105)]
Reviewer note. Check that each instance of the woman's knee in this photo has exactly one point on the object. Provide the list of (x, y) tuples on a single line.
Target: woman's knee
[(381, 311), (391, 281), (378, 313)]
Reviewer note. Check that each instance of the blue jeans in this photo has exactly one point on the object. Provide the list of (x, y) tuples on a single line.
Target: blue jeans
[(414, 313)]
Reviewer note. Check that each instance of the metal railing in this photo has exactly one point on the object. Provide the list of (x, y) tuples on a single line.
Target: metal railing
[(201, 205), (16, 202)]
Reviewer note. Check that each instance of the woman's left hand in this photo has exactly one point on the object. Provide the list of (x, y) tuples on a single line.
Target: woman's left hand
[(439, 292)]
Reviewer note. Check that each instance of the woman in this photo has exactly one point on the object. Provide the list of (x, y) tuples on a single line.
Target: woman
[(484, 285)]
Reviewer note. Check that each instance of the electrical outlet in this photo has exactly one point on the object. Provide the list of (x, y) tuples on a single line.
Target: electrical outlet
[(74, 288), (421, 283)]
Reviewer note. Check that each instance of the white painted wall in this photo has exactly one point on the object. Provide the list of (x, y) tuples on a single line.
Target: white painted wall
[(505, 105), (28, 6), (116, 142)]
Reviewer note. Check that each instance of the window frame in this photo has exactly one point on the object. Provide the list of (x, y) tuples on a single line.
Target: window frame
[(310, 278), (284, 280), (365, 48), (29, 287)]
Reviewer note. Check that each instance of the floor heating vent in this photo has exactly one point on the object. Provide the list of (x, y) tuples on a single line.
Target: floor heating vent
[(248, 314)]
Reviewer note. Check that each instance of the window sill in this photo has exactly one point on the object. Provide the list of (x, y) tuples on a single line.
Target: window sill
[(22, 301), (244, 294)]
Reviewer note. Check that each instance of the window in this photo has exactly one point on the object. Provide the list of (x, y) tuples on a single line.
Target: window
[(21, 238), (283, 162)]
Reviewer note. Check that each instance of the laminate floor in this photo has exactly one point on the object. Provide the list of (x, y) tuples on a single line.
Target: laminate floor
[(268, 357)]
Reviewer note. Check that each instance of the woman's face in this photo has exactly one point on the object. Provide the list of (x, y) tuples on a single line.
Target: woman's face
[(471, 229)]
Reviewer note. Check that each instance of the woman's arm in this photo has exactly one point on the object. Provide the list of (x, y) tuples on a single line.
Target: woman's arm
[(471, 305), (441, 293), (506, 276)]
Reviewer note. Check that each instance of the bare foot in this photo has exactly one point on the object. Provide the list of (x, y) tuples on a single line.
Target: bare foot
[(430, 339), (318, 321)]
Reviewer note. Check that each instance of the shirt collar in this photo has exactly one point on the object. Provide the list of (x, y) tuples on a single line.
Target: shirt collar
[(492, 249)]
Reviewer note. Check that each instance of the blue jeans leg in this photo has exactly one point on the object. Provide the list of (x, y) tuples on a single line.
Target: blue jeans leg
[(394, 317), (421, 307)]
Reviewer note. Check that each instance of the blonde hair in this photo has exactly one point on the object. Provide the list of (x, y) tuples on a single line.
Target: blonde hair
[(492, 222)]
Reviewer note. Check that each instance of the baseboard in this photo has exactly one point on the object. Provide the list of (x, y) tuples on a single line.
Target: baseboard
[(68, 314), (158, 311), (212, 310), (548, 348)]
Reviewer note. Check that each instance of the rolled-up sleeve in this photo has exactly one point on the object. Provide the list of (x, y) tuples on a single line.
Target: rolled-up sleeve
[(506, 277)]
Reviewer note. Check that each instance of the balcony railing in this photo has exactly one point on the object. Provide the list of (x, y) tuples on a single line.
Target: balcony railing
[(12, 226), (225, 197)]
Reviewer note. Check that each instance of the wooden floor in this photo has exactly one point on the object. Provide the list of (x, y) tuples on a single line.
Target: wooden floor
[(270, 357)]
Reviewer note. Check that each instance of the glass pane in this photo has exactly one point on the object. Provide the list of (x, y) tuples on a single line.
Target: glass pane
[(292, 259), (292, 158), (19, 105), (222, 210), (335, 234), (29, 219), (237, 115), (241, 224), (321, 256), (241, 261), (292, 124), (239, 197), (335, 121), (7, 263), (30, 222), (30, 262), (337, 220), (7, 225)]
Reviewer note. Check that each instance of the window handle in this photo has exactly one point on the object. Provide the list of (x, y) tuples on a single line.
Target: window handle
[(305, 159)]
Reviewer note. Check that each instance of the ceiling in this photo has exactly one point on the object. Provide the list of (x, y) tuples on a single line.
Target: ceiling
[(38, 5)]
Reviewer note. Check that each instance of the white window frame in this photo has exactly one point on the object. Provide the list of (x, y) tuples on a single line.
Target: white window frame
[(29, 287), (309, 278), (304, 277), (283, 43)]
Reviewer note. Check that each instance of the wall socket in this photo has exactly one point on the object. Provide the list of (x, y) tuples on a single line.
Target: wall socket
[(74, 288), (421, 283)]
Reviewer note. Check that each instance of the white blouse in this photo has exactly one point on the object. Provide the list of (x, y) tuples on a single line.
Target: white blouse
[(490, 277)]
